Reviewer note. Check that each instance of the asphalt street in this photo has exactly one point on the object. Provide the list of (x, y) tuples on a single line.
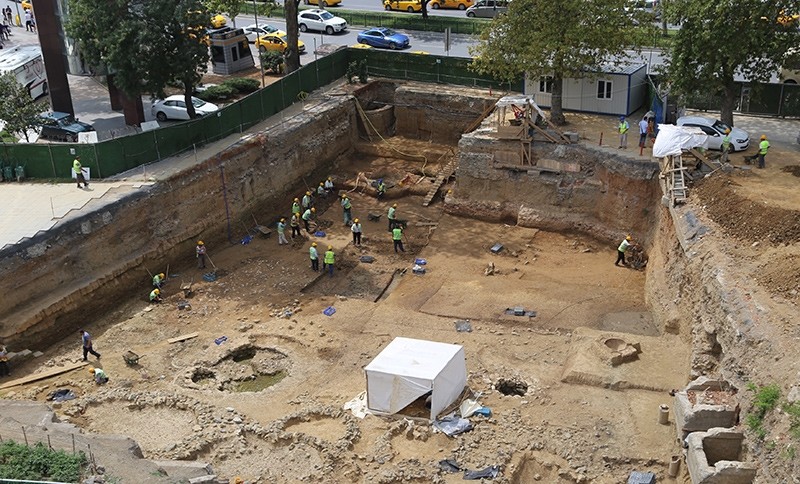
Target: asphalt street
[(377, 5)]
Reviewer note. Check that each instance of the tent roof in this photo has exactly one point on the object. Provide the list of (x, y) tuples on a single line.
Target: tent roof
[(414, 358)]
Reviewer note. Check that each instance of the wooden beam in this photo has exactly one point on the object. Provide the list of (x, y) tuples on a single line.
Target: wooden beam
[(545, 134), (182, 337), (45, 374)]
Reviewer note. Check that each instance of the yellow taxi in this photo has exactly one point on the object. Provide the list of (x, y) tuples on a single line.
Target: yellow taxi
[(218, 21), (403, 5), (276, 43), (459, 4), (323, 3)]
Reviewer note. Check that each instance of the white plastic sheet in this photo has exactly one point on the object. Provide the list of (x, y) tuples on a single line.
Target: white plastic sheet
[(672, 140)]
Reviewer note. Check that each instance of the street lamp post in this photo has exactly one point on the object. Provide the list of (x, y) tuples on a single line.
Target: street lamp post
[(258, 51)]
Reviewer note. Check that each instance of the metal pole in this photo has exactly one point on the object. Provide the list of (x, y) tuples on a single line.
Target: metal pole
[(261, 64)]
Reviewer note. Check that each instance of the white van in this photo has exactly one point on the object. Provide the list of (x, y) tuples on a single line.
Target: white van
[(25, 62), (487, 8)]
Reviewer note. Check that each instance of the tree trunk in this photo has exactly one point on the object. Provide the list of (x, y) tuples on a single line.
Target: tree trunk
[(424, 9), (728, 102), (292, 35), (556, 101), (187, 98), (662, 6)]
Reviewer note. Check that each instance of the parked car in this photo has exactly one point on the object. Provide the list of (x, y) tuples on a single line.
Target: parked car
[(253, 31), (383, 37), (324, 3), (459, 4), (174, 107), (715, 130), (403, 5), (277, 43), (62, 126), (487, 8), (321, 21)]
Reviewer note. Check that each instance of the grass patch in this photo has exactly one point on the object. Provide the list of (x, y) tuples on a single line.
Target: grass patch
[(793, 410), (766, 399), (19, 461)]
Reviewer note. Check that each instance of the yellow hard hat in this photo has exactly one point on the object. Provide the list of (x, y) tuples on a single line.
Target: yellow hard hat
[(199, 242), (344, 195), (627, 237), (296, 199), (727, 130), (329, 178), (161, 275), (91, 370), (356, 220), (320, 184), (313, 244), (308, 193), (763, 137), (395, 205), (313, 209), (330, 247), (157, 291), (283, 220)]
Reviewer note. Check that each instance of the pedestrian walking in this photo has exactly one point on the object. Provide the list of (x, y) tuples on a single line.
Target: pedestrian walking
[(33, 23), (397, 238), (4, 371), (307, 216), (726, 145), (86, 340), (314, 255), (295, 224), (330, 260), (28, 20), (347, 208), (99, 375), (78, 169), (155, 296), (391, 216), (356, 229), (200, 252), (623, 128), (282, 232), (643, 127), (623, 247), (763, 147)]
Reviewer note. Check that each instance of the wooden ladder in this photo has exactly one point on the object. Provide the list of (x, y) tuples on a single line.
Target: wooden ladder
[(678, 190), (447, 172)]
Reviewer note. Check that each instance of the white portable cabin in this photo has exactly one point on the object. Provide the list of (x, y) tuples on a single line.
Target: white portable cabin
[(407, 369), (25, 62)]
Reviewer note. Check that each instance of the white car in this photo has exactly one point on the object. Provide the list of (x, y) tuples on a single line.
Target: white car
[(174, 107), (252, 32), (715, 130), (321, 21)]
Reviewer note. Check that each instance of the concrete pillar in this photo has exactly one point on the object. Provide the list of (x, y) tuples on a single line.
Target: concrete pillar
[(114, 93), (48, 27), (132, 109)]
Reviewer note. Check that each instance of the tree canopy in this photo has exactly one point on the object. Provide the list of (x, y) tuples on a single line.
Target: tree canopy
[(230, 7), (720, 40), (19, 111), (568, 38)]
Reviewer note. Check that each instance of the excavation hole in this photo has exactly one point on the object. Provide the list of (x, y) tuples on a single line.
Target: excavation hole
[(511, 386), (255, 383), (243, 354), (615, 344), (203, 376)]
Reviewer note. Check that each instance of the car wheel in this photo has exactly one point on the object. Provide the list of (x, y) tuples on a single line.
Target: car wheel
[(461, 6), (161, 116), (303, 27), (45, 88), (393, 46), (262, 49), (388, 7), (435, 6), (790, 81), (411, 9), (329, 30), (306, 2), (324, 4), (471, 14)]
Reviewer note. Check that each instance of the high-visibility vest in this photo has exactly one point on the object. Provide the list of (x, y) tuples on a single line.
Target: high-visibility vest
[(346, 204), (329, 257), (76, 166), (726, 141), (624, 127), (397, 233), (381, 188), (307, 215), (156, 280), (763, 147), (623, 246), (392, 211), (153, 295), (295, 208), (294, 222), (312, 252)]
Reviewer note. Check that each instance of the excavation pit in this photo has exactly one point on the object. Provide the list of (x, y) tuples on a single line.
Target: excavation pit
[(255, 383), (511, 387)]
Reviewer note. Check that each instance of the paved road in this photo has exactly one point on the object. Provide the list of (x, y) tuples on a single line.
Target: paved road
[(377, 5)]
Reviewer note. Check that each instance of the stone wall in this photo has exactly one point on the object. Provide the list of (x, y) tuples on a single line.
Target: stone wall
[(61, 279)]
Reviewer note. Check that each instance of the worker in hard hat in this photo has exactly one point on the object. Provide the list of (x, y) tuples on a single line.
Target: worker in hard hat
[(726, 145), (329, 261), (200, 252), (99, 375), (623, 128), (308, 200), (314, 255), (347, 209), (155, 296), (623, 247), (329, 185), (296, 207), (356, 229), (381, 188), (158, 280), (282, 232), (295, 224), (321, 190), (307, 216), (397, 239), (763, 147), (391, 216)]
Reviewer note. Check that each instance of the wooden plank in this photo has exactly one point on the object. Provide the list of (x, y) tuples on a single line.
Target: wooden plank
[(545, 134), (182, 337), (45, 374), (480, 118)]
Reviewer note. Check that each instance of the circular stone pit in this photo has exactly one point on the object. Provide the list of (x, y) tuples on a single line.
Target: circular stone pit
[(244, 368)]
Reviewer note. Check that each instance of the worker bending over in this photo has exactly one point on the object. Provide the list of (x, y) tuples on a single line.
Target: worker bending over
[(155, 296), (307, 216), (99, 375), (623, 247), (158, 280)]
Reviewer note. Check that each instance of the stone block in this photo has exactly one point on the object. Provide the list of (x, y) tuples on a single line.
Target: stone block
[(212, 479), (705, 403), (638, 477), (713, 458)]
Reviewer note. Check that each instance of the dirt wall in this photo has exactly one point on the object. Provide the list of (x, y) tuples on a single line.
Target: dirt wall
[(60, 279)]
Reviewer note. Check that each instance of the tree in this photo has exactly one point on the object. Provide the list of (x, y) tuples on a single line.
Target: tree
[(564, 39), (292, 36), (720, 40), (230, 7), (18, 109), (425, 9)]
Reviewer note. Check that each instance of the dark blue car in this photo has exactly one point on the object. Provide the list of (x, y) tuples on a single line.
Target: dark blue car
[(383, 37)]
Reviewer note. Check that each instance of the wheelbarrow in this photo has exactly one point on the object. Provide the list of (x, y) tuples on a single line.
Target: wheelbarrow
[(131, 358)]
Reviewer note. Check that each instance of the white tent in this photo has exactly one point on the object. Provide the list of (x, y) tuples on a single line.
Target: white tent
[(409, 368), (672, 140)]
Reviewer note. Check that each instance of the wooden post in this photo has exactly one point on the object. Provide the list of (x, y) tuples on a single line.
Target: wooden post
[(25, 435)]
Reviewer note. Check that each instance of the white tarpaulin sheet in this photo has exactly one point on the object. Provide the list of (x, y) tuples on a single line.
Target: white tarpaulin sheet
[(672, 140), (409, 368)]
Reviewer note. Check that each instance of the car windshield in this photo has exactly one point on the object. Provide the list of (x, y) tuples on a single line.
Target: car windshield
[(720, 126), (388, 32), (326, 15), (269, 29), (198, 103)]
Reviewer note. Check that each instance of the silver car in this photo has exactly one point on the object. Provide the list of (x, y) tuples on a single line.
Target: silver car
[(487, 8)]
